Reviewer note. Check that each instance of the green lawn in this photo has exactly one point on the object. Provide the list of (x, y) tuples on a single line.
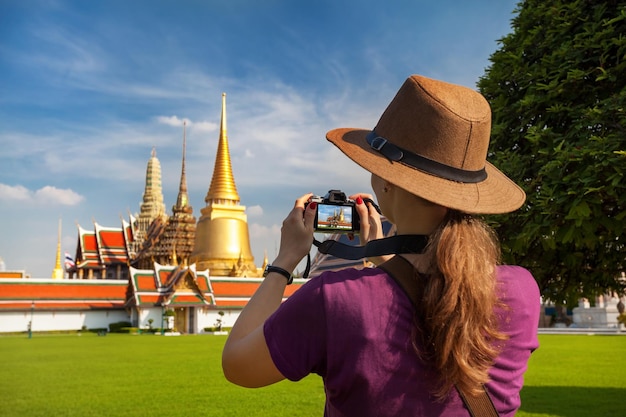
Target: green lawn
[(125, 375), (576, 376)]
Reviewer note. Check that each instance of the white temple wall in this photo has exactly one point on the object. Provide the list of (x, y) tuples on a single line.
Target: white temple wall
[(208, 318), (603, 315), (42, 321), (145, 314)]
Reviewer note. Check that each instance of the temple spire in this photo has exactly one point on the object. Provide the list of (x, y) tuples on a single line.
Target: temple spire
[(183, 198), (171, 241), (222, 242), (57, 272), (152, 207), (222, 189)]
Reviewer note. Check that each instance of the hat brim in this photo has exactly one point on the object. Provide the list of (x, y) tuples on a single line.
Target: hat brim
[(496, 194)]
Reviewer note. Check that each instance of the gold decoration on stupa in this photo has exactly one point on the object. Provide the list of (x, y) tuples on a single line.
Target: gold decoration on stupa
[(57, 272), (222, 242)]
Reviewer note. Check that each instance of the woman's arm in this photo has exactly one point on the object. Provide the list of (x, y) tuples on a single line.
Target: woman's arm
[(246, 360)]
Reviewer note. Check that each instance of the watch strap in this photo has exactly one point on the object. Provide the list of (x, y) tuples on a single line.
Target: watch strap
[(279, 270)]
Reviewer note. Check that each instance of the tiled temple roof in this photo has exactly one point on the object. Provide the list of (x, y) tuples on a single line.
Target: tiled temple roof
[(103, 246), (45, 294), (180, 285), (112, 246), (163, 286)]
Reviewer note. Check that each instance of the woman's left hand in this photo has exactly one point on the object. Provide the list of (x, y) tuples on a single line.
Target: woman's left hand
[(296, 234), (371, 224)]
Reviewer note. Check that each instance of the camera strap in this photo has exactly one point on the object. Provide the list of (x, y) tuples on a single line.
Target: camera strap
[(386, 246)]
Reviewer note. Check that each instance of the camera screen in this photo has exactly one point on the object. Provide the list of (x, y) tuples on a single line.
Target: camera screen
[(331, 217)]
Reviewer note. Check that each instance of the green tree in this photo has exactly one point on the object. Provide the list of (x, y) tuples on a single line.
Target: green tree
[(557, 87)]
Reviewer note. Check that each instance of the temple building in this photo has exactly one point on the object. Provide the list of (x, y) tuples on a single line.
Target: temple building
[(152, 207), (222, 242), (102, 253), (170, 240), (153, 270), (219, 242)]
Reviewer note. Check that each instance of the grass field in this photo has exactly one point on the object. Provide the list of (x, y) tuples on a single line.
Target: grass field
[(125, 375)]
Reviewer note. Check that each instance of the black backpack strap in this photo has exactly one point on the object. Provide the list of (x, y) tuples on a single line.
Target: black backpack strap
[(402, 271)]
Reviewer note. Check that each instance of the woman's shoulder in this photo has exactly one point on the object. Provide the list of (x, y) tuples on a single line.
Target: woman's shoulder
[(517, 281), (516, 273), (350, 282)]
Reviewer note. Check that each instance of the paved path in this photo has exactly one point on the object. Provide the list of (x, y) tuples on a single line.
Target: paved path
[(581, 330)]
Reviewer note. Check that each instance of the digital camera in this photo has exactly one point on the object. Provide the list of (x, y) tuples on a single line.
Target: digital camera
[(335, 213)]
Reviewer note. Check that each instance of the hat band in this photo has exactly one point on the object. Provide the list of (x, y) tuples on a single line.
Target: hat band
[(397, 154)]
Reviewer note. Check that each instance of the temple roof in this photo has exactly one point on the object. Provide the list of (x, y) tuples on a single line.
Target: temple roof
[(46, 294), (170, 286), (103, 246), (184, 286), (112, 246), (236, 292), (14, 274), (87, 250), (165, 285)]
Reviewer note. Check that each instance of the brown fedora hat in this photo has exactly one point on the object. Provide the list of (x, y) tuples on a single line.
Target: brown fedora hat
[(432, 141)]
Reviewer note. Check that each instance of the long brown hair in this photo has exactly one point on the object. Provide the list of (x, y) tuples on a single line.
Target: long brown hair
[(456, 324)]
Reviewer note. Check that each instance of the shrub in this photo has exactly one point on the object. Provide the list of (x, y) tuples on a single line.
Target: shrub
[(216, 329), (129, 329), (98, 330), (116, 327)]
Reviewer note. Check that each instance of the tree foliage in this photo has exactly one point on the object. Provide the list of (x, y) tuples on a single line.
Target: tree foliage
[(557, 87)]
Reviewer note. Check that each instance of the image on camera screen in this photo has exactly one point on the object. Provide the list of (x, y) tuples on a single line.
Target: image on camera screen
[(333, 217)]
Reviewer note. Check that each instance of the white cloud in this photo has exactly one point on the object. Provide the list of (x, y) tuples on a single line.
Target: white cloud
[(45, 195), (266, 240), (50, 194), (255, 211), (18, 192), (205, 126), (178, 122), (171, 120), (262, 231)]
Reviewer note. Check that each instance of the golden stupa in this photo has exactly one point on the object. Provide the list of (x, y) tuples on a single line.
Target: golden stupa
[(58, 272), (222, 243)]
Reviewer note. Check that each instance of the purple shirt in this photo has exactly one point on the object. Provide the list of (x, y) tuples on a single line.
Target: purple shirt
[(353, 328)]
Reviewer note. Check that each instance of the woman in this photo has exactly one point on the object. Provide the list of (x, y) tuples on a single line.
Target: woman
[(472, 323)]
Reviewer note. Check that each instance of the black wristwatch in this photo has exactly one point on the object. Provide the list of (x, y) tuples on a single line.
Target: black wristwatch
[(281, 271)]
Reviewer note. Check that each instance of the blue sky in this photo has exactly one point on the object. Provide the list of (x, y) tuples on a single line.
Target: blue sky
[(87, 88)]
